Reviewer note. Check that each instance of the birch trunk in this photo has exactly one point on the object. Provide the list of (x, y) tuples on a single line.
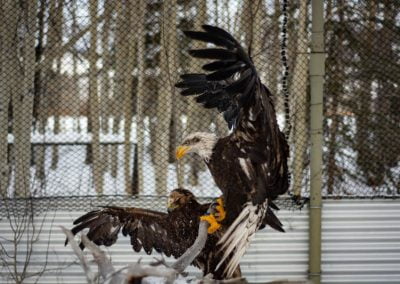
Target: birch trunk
[(23, 100), (140, 95), (299, 92), (166, 91), (94, 101)]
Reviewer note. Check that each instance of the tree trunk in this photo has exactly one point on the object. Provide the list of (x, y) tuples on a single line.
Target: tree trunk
[(274, 70), (39, 113), (197, 116), (132, 14), (363, 140), (166, 92), (299, 93), (23, 100), (105, 82), (140, 95), (94, 101), (121, 52), (58, 25), (8, 26)]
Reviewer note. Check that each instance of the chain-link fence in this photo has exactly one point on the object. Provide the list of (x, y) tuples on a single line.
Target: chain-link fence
[(88, 105)]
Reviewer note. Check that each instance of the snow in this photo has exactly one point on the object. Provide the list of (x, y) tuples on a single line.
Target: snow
[(73, 177)]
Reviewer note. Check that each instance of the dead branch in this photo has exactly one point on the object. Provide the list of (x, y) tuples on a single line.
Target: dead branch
[(90, 276), (106, 269)]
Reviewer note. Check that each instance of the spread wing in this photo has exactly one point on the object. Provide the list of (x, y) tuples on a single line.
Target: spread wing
[(233, 85), (166, 233)]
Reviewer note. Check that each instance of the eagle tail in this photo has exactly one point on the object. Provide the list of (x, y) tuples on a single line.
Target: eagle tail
[(237, 238)]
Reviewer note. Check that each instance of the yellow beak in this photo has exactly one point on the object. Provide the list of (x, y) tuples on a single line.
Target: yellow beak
[(181, 151)]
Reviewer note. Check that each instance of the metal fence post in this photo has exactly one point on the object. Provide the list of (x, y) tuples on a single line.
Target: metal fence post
[(317, 71)]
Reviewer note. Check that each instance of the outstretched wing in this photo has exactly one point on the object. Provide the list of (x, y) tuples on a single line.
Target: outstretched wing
[(147, 229), (233, 85)]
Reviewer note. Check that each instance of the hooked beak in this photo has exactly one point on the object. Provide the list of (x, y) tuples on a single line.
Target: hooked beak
[(170, 205), (181, 151)]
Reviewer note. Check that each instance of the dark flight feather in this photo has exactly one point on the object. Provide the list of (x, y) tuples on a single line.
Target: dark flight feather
[(216, 65), (213, 53)]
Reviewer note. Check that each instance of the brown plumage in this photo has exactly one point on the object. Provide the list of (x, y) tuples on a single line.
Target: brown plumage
[(169, 233)]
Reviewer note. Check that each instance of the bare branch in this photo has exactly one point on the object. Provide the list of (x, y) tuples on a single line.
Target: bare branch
[(106, 268), (59, 50), (90, 276)]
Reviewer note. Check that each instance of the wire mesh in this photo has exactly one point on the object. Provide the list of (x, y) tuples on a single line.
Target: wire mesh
[(89, 109)]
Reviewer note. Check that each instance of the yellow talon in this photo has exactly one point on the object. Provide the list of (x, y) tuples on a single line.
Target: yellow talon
[(214, 225), (220, 209)]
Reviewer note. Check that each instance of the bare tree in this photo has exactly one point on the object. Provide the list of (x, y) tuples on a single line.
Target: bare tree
[(22, 95), (17, 246), (94, 100), (39, 110), (105, 99), (299, 92), (8, 26), (166, 91), (121, 52), (56, 25), (140, 94), (198, 117)]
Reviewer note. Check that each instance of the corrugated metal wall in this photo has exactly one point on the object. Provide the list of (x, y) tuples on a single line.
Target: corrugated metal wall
[(361, 241), (361, 244)]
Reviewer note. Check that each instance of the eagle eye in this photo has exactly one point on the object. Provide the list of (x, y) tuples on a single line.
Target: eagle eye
[(195, 140)]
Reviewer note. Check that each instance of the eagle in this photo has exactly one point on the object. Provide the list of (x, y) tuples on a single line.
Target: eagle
[(171, 233), (249, 165)]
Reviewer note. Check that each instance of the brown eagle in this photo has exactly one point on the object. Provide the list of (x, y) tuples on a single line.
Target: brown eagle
[(250, 164), (169, 233)]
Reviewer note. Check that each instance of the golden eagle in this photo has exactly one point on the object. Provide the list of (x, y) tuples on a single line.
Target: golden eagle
[(250, 164), (169, 233)]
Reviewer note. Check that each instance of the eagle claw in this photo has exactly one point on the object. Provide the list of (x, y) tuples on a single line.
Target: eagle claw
[(221, 213), (214, 225), (214, 219)]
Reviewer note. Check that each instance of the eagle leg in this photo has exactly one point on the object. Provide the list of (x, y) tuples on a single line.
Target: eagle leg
[(214, 225), (221, 213)]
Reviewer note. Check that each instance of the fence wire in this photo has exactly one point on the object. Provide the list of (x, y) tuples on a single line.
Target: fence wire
[(88, 105)]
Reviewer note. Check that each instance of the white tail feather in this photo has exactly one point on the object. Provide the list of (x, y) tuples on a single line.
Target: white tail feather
[(239, 235)]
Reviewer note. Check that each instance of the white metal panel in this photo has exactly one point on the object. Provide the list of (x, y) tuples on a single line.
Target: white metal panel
[(361, 241), (272, 255), (361, 244)]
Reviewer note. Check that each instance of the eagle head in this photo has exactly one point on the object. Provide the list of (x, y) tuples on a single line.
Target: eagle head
[(201, 143), (179, 197)]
